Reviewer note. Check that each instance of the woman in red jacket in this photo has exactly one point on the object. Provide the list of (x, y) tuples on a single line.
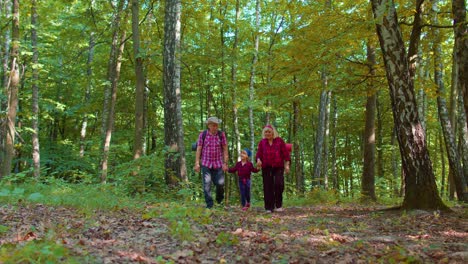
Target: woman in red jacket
[(273, 157)]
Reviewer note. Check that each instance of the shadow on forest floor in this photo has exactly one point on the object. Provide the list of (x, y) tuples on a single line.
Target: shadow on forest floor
[(173, 233)]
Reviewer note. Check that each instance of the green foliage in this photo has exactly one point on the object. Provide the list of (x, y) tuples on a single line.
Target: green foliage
[(3, 229), (85, 197), (37, 252), (181, 230), (227, 239), (141, 174)]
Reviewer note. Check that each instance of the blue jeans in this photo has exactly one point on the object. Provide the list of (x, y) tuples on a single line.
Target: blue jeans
[(244, 188), (215, 176)]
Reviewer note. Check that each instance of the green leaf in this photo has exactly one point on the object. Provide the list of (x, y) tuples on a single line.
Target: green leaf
[(35, 196)]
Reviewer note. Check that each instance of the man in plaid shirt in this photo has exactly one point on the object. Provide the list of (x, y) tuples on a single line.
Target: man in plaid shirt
[(212, 151)]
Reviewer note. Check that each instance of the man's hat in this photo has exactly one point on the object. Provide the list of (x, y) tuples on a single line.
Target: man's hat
[(214, 120)]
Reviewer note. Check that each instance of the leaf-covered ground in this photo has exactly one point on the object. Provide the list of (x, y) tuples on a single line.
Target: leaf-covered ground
[(171, 233)]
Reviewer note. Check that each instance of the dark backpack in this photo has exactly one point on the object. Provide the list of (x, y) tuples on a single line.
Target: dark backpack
[(195, 145)]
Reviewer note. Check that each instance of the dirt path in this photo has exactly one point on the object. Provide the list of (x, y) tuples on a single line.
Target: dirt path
[(168, 233)]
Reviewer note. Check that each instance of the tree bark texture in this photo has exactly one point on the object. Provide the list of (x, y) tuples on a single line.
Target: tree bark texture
[(173, 130), (449, 136), (368, 172), (12, 92), (35, 93), (317, 174), (111, 112), (87, 96), (253, 68), (461, 49), (138, 145), (298, 172), (420, 188)]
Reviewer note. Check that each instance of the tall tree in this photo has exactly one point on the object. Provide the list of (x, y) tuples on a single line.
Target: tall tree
[(138, 145), (110, 98), (449, 137), (298, 172), (87, 96), (252, 74), (234, 63), (461, 49), (320, 134), (35, 92), (368, 172), (420, 188), (173, 130), (12, 91)]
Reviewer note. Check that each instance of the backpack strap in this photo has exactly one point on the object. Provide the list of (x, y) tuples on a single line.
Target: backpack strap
[(220, 135)]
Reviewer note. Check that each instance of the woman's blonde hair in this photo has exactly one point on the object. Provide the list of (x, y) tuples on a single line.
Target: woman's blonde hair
[(272, 128)]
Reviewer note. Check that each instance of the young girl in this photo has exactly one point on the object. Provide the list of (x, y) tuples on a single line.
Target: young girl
[(244, 169)]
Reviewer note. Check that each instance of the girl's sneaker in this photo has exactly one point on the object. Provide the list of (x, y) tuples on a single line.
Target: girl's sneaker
[(245, 208), (247, 205)]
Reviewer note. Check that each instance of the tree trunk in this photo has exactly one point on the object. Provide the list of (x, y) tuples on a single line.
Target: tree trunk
[(368, 172), (442, 162), (138, 145), (234, 82), (300, 187), (111, 113), (87, 97), (317, 173), (175, 164), (6, 8), (334, 166), (36, 158), (252, 75), (461, 49), (326, 136), (12, 93), (449, 137), (420, 188), (463, 138)]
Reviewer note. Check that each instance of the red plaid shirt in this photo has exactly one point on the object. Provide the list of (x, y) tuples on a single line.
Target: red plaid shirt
[(243, 171), (272, 155), (212, 152)]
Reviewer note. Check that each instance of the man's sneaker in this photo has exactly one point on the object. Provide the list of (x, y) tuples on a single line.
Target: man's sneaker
[(247, 205), (269, 211), (279, 209)]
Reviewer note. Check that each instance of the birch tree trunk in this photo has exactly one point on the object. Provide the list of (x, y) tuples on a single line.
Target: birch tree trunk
[(449, 137), (368, 172), (6, 37), (461, 49), (252, 74), (420, 188), (87, 96), (36, 157), (234, 81), (175, 164), (326, 136), (12, 92)]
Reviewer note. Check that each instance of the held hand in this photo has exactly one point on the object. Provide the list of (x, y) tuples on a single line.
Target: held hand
[(225, 167), (286, 169), (259, 164), (197, 167)]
